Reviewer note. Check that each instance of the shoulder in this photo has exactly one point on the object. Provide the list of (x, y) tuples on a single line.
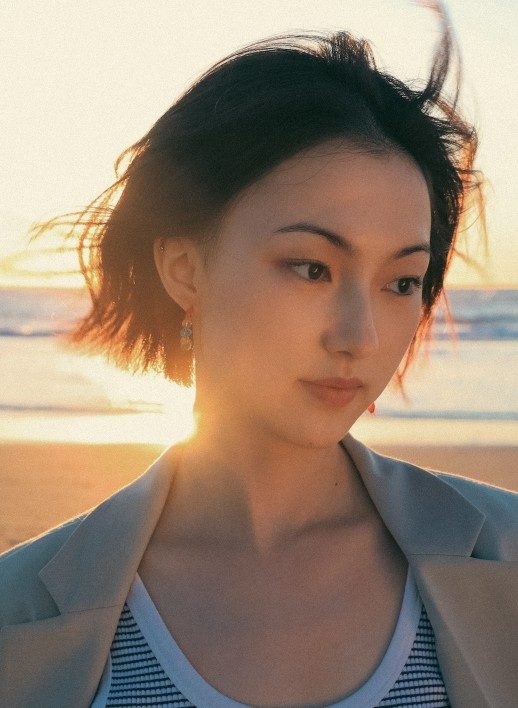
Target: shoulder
[(489, 495), (498, 537), (23, 597), (500, 531)]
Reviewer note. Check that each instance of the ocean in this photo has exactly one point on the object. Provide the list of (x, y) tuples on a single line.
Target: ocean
[(474, 378)]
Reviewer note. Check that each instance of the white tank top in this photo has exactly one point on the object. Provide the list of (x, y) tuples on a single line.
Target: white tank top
[(147, 667)]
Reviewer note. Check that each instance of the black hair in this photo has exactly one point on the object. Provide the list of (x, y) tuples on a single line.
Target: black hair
[(250, 111)]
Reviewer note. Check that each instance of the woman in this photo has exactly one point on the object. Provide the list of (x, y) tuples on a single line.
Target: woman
[(280, 238)]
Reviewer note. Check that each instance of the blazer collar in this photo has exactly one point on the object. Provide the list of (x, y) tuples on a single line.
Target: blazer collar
[(435, 526), (96, 565), (424, 514)]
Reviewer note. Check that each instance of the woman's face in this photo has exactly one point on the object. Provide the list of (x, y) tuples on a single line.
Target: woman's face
[(280, 304)]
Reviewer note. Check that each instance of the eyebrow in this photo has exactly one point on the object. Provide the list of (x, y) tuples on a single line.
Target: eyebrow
[(342, 243)]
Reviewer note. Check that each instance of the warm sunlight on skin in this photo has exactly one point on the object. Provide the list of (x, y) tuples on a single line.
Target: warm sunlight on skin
[(276, 309)]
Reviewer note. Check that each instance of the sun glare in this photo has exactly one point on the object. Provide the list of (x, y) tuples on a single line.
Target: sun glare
[(168, 406)]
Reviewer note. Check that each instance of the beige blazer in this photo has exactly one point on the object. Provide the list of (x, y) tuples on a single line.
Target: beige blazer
[(61, 594)]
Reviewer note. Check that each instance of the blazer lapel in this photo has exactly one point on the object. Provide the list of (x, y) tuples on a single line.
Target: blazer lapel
[(59, 661), (96, 566), (472, 605), (435, 526), (472, 602)]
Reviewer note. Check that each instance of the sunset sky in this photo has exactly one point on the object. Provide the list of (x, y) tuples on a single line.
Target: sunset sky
[(80, 81)]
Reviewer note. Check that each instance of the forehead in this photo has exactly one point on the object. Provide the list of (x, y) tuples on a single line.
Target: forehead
[(342, 188)]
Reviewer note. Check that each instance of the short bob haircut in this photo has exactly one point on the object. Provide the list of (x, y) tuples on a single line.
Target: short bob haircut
[(255, 108)]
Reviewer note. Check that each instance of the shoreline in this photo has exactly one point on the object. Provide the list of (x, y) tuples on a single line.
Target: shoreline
[(45, 483)]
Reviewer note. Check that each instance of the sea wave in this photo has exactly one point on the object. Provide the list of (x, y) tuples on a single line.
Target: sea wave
[(84, 408), (41, 331), (478, 314)]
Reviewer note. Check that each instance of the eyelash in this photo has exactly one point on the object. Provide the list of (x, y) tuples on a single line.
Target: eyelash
[(416, 282)]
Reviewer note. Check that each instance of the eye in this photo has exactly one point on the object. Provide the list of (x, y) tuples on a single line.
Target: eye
[(406, 286), (314, 269)]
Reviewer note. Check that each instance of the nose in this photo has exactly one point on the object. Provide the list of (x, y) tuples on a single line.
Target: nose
[(354, 330)]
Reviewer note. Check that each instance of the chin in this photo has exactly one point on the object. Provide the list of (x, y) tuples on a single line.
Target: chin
[(319, 434)]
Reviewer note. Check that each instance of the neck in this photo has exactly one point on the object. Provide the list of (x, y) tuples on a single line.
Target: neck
[(236, 489)]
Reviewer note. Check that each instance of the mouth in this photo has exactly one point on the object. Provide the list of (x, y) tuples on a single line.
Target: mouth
[(339, 383), (334, 392)]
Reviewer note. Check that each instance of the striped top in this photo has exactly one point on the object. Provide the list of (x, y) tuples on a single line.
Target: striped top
[(146, 667)]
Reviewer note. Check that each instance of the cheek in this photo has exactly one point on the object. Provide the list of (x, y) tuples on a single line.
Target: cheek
[(239, 317), (397, 327), (255, 330)]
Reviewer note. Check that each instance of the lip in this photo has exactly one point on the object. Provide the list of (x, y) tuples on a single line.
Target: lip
[(344, 384), (339, 394)]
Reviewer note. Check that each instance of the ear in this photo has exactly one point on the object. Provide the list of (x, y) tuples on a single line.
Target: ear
[(178, 264)]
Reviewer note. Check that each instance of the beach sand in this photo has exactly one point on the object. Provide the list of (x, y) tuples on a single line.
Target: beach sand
[(44, 483)]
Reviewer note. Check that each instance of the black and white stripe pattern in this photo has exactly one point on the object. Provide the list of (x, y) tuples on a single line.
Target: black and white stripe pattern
[(137, 678), (420, 682)]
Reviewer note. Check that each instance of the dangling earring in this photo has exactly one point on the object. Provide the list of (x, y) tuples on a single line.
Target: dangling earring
[(372, 408), (186, 340)]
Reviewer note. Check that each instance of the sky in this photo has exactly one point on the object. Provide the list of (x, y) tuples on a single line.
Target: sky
[(80, 81)]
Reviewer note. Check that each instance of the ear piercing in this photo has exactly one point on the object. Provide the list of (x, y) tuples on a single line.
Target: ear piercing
[(186, 340), (372, 408)]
